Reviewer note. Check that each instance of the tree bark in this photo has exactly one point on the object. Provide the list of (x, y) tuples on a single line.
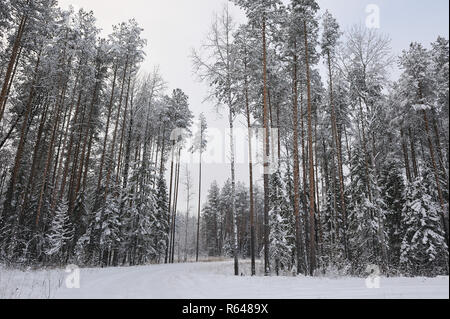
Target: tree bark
[(338, 152), (199, 196), (436, 175), (105, 139), (298, 229), (266, 155), (413, 153), (12, 60), (168, 242), (406, 157), (312, 236), (20, 147), (113, 142), (250, 168)]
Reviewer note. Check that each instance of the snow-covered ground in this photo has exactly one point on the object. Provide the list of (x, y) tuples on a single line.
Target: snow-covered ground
[(207, 281)]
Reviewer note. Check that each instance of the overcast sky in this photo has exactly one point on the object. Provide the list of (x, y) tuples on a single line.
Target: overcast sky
[(174, 27)]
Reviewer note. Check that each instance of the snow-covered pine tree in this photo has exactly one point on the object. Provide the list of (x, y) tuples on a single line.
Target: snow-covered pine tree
[(419, 96), (365, 216), (424, 250), (280, 241), (211, 221), (392, 187), (108, 227), (60, 235), (161, 217)]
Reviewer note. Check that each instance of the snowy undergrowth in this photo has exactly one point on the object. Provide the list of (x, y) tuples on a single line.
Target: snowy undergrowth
[(208, 280), (30, 284)]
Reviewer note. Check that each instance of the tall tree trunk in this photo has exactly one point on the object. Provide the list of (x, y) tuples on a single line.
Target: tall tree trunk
[(175, 205), (50, 154), (233, 196), (316, 165), (105, 139), (232, 151), (3, 106), (168, 242), (298, 227), (349, 152), (127, 158), (161, 166), (405, 156), (413, 153), (30, 185), (338, 152), (250, 168), (113, 142), (12, 60), (444, 212), (123, 129), (69, 149), (87, 136), (266, 155), (438, 147), (21, 145), (199, 196), (312, 236), (305, 184), (64, 145)]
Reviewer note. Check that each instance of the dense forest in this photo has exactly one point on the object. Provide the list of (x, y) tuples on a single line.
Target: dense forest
[(84, 140), (355, 162)]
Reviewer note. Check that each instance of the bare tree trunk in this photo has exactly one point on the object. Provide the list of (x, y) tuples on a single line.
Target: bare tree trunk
[(102, 159), (69, 150), (168, 242), (199, 196), (233, 195), (175, 205), (72, 192), (127, 156), (266, 156), (413, 153), (11, 129), (438, 147), (49, 155), (64, 145), (113, 143), (87, 135), (305, 184), (250, 168), (312, 241), (444, 212), (30, 185), (317, 185), (349, 152), (123, 128), (161, 166), (20, 147), (188, 197), (338, 152), (3, 106), (298, 227), (406, 157), (12, 60)]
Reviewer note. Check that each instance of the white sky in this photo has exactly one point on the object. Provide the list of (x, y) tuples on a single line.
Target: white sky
[(174, 27)]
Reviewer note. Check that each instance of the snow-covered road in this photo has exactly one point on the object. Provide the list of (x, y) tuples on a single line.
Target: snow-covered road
[(207, 281)]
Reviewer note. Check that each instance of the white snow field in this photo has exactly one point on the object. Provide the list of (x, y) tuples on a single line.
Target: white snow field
[(213, 280)]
